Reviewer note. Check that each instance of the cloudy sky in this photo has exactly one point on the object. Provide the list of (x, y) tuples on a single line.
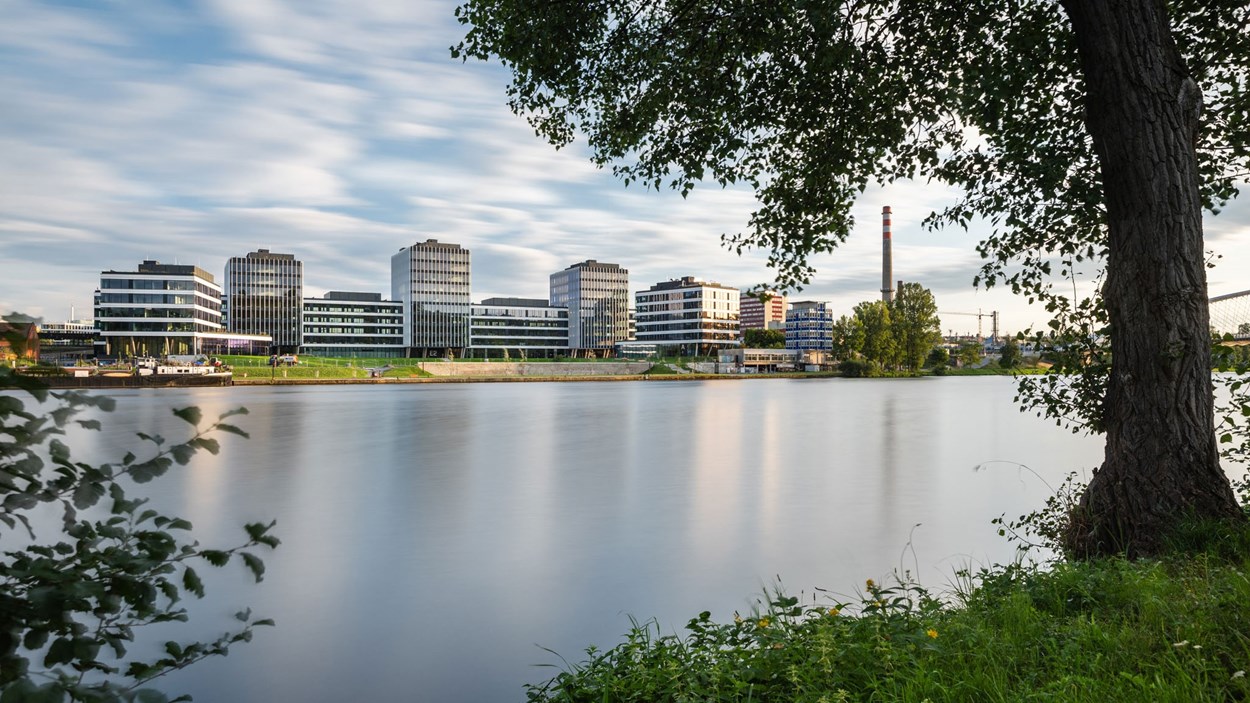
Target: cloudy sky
[(341, 131)]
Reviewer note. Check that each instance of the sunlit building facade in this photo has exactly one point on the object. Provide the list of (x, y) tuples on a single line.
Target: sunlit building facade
[(758, 314), (687, 316), (163, 309), (596, 295), (350, 324)]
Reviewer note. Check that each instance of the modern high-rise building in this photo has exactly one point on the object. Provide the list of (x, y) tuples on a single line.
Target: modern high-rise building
[(597, 297), (809, 325), (760, 314), (353, 325), (687, 316), (266, 291), (163, 309), (518, 328), (431, 279)]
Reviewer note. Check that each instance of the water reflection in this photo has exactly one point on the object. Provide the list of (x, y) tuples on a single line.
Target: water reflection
[(436, 530)]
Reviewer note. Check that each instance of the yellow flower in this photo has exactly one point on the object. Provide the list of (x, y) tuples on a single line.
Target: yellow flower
[(834, 612), (932, 634), (870, 584), (763, 622), (737, 618)]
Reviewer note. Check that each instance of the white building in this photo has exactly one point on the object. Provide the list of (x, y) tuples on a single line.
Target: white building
[(162, 309), (518, 328), (688, 316), (353, 325)]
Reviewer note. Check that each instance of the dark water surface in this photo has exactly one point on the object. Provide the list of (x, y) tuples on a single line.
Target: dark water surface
[(435, 535)]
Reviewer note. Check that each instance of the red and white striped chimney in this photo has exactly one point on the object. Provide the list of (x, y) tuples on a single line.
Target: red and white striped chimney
[(887, 258)]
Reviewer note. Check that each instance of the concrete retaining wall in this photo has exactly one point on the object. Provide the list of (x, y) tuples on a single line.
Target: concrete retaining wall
[(557, 369)]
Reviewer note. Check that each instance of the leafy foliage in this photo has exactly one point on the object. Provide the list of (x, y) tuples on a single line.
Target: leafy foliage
[(764, 339), (71, 602), (914, 321)]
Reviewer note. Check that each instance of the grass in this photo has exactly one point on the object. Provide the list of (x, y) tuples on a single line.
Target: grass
[(1175, 629), (311, 367)]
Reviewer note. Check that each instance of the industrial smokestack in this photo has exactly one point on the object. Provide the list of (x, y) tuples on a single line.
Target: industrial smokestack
[(887, 258)]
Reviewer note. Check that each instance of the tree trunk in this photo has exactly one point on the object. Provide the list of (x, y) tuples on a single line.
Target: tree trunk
[(1162, 460)]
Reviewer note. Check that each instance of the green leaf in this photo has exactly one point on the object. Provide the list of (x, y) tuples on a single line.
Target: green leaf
[(255, 564), (207, 443), (215, 557), (191, 581), (182, 453), (147, 695), (190, 414), (89, 424), (35, 639), (232, 429), (88, 494), (61, 652)]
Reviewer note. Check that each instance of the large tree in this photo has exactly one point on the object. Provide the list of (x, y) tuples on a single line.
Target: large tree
[(914, 318), (1083, 131)]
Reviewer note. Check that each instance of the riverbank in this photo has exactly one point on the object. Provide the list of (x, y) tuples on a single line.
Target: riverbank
[(1108, 630)]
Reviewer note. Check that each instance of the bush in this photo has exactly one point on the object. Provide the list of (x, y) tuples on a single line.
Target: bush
[(858, 368), (71, 601)]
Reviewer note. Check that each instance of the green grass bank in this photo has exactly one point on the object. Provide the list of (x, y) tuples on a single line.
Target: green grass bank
[(1176, 629)]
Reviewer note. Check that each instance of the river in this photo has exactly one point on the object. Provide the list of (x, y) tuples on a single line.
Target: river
[(437, 537)]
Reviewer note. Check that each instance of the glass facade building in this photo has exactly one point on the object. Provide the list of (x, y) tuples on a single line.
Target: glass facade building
[(265, 291), (432, 281), (162, 309), (597, 297), (518, 328), (350, 324), (809, 325), (688, 316)]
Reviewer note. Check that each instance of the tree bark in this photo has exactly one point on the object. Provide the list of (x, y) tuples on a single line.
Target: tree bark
[(1162, 461)]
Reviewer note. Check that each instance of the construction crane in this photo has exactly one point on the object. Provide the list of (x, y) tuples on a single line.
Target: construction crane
[(993, 315)]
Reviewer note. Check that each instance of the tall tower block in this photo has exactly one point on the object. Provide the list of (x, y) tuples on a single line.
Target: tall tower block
[(887, 257)]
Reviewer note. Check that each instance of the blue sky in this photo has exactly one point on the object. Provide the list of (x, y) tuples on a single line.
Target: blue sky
[(341, 131)]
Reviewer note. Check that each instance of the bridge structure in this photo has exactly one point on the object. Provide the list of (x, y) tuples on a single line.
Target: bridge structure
[(1230, 314)]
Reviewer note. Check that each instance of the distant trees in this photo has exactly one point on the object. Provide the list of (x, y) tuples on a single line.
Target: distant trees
[(914, 319), (1009, 356), (848, 337), (763, 339), (898, 334)]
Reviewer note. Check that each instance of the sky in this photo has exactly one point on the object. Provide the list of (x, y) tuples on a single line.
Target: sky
[(341, 131)]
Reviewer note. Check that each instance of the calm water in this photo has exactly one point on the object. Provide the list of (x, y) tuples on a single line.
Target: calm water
[(434, 536)]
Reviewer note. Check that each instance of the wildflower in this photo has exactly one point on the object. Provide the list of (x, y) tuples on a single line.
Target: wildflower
[(763, 622), (777, 645), (931, 633), (833, 612), (737, 618), (1197, 646), (870, 584), (1239, 674), (1180, 644)]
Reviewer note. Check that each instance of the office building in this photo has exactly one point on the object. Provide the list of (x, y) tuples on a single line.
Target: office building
[(518, 328), (431, 279), (757, 314), (687, 316), (265, 291), (348, 324), (809, 325), (597, 297), (163, 309)]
